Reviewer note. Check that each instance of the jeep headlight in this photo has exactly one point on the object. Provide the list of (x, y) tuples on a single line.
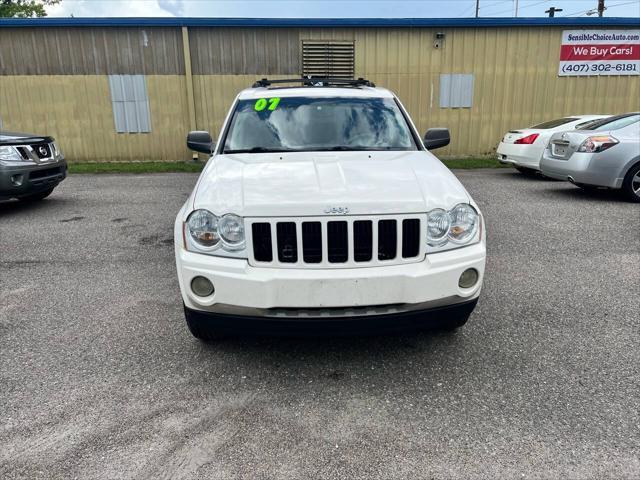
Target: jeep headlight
[(231, 229), (10, 154), (438, 225), (205, 232), (452, 229), (464, 223)]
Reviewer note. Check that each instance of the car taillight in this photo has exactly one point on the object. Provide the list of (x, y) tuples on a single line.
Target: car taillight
[(597, 144), (528, 140)]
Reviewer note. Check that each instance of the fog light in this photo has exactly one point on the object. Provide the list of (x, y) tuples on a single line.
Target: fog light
[(17, 180), (202, 286), (468, 278)]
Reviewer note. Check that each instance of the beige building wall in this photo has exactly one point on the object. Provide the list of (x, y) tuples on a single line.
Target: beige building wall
[(54, 81), (76, 110)]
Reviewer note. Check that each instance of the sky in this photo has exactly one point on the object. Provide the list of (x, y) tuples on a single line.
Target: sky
[(335, 8)]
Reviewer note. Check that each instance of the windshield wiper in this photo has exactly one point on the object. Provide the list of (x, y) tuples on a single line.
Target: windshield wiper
[(258, 150), (358, 148)]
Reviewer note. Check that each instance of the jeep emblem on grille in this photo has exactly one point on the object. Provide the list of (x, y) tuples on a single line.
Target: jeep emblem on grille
[(336, 210), (287, 252)]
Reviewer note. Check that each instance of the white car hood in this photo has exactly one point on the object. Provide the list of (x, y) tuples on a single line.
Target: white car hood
[(305, 184)]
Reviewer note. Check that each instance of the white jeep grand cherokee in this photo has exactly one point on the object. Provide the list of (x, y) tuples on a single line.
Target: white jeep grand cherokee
[(320, 210)]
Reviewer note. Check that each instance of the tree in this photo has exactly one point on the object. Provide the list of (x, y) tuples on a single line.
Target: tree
[(25, 8)]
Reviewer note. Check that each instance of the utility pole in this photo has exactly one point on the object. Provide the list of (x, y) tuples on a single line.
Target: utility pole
[(477, 8), (552, 11), (516, 8), (601, 8)]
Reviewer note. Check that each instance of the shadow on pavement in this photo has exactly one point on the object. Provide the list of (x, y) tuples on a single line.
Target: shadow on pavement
[(580, 194), (15, 207)]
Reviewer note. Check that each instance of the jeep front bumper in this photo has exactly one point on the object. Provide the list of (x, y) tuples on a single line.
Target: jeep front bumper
[(241, 289)]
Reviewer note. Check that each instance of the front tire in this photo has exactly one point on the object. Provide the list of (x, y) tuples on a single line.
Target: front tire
[(34, 197), (198, 327), (631, 184)]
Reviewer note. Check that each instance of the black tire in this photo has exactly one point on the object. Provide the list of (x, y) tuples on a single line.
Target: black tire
[(529, 172), (631, 184), (198, 327), (34, 197)]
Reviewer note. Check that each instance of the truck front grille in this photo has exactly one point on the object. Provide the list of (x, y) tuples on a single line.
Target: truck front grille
[(329, 242)]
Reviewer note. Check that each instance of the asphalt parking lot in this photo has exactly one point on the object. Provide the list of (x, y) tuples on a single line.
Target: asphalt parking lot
[(100, 378)]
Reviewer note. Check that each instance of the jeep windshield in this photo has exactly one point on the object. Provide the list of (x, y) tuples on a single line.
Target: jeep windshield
[(315, 124)]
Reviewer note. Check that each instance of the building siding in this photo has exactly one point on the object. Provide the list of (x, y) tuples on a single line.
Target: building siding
[(54, 80), (241, 51), (76, 110), (91, 51)]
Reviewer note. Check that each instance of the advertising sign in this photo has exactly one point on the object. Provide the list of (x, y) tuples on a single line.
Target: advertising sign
[(600, 52)]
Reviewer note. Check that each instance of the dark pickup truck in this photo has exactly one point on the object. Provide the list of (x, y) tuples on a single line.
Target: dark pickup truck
[(31, 166)]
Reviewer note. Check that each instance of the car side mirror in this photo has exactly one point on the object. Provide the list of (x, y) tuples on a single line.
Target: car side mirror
[(200, 141), (437, 138)]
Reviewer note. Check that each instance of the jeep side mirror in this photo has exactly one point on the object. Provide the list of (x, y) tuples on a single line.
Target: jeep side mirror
[(437, 138), (200, 141)]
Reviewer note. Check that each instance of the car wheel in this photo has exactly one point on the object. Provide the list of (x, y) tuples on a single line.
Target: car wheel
[(631, 184), (198, 327), (34, 197)]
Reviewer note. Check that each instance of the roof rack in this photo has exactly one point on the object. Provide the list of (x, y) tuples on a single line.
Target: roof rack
[(317, 82)]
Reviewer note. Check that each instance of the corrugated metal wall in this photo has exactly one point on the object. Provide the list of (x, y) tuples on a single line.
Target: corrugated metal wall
[(76, 110), (91, 51), (240, 51), (54, 80)]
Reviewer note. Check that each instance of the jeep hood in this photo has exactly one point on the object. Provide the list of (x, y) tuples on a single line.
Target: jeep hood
[(306, 183)]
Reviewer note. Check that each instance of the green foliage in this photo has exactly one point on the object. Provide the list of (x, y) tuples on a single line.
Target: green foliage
[(24, 8), (470, 163), (135, 167)]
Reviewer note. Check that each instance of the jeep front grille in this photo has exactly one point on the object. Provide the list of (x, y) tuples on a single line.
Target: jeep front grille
[(346, 242)]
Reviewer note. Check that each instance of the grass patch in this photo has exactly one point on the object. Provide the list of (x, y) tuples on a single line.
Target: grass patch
[(469, 163), (136, 167), (168, 167)]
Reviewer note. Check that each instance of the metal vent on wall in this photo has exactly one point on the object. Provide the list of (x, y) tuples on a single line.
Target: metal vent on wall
[(322, 58)]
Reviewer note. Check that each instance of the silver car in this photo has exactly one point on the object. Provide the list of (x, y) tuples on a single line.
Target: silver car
[(605, 153)]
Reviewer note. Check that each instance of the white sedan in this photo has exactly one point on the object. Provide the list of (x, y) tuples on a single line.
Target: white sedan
[(524, 148)]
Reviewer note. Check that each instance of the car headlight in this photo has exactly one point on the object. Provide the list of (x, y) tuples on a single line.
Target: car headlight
[(202, 227), (438, 224), (204, 232), (464, 223), (452, 229), (56, 150), (231, 229), (10, 154)]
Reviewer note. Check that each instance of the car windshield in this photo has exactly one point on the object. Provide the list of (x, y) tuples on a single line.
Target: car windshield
[(298, 124), (554, 123), (614, 123)]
